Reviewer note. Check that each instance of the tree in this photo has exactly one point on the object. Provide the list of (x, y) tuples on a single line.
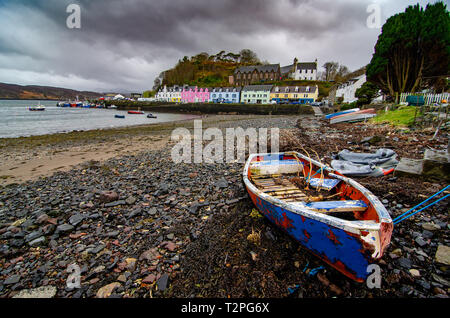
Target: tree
[(248, 57), (366, 93), (330, 70), (412, 51)]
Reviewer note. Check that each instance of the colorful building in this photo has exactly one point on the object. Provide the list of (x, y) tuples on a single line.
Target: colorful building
[(174, 93), (256, 94), (225, 95), (294, 94), (193, 94)]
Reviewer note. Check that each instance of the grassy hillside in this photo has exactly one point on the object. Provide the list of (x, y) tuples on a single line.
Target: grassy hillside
[(13, 91)]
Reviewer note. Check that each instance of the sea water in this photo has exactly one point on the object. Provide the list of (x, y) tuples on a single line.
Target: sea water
[(17, 121)]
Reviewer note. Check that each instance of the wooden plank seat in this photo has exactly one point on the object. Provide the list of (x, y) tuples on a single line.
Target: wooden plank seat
[(338, 206), (284, 189)]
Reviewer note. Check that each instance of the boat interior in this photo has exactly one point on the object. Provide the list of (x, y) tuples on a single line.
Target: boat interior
[(297, 180)]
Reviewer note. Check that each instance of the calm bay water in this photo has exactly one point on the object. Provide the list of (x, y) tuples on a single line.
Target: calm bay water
[(17, 121)]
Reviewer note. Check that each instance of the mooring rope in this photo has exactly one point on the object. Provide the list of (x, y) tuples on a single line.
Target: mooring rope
[(405, 215)]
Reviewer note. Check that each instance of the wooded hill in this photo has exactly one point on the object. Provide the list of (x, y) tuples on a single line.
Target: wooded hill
[(206, 70), (13, 91)]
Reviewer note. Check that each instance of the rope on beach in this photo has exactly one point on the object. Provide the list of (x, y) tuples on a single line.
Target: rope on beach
[(410, 212)]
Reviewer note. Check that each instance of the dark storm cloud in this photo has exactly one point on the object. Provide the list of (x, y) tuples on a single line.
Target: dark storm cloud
[(126, 44)]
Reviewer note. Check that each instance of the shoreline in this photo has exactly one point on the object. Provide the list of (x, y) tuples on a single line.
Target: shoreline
[(25, 159)]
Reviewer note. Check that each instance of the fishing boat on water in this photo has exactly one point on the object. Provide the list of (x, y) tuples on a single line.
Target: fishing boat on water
[(37, 108), (151, 116), (119, 116), (333, 216), (136, 112)]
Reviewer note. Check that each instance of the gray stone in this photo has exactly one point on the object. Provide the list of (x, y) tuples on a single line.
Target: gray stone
[(32, 236), (443, 254), (39, 241), (40, 292), (162, 282), (419, 240), (404, 262), (14, 279), (130, 200), (115, 203), (76, 219), (409, 167), (436, 163), (222, 183), (430, 226), (64, 228)]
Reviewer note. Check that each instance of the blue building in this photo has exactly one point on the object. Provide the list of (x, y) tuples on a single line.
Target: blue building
[(225, 95)]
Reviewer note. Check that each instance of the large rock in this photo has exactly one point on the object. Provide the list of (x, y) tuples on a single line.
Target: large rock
[(409, 167), (443, 255), (107, 290), (40, 292), (108, 196), (436, 164)]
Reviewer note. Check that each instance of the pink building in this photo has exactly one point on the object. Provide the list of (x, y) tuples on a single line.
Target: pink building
[(193, 94)]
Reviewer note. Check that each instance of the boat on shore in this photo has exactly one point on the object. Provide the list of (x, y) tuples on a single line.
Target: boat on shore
[(329, 116), (354, 116), (333, 216), (136, 112)]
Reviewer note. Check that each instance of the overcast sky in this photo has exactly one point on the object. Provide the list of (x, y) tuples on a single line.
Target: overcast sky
[(123, 45)]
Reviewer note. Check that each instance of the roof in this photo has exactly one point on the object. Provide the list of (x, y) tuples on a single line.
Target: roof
[(300, 66), (259, 68), (292, 89), (307, 66), (224, 89), (257, 88)]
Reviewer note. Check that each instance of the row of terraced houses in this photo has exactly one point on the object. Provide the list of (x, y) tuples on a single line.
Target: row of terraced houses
[(244, 92), (250, 94)]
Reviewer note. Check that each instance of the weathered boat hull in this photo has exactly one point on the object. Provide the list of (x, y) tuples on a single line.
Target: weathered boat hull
[(348, 246), (329, 116), (355, 116)]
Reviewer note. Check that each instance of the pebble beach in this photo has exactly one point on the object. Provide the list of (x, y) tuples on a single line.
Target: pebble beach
[(136, 225)]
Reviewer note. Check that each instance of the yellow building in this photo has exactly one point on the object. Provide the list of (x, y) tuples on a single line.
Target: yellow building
[(294, 94)]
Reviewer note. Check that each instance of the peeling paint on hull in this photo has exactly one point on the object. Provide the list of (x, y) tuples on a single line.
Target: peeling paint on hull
[(348, 246)]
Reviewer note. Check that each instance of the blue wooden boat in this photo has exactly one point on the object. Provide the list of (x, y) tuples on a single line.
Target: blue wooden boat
[(334, 217), (329, 116), (119, 116)]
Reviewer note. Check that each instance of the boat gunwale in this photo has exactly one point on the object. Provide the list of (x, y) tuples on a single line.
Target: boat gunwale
[(302, 209)]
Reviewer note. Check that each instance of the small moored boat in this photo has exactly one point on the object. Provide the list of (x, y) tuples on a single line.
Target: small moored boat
[(135, 112), (334, 217), (151, 116), (119, 116), (37, 108)]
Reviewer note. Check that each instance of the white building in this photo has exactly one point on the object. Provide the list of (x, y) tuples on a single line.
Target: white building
[(169, 94), (348, 89), (163, 95), (300, 71)]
